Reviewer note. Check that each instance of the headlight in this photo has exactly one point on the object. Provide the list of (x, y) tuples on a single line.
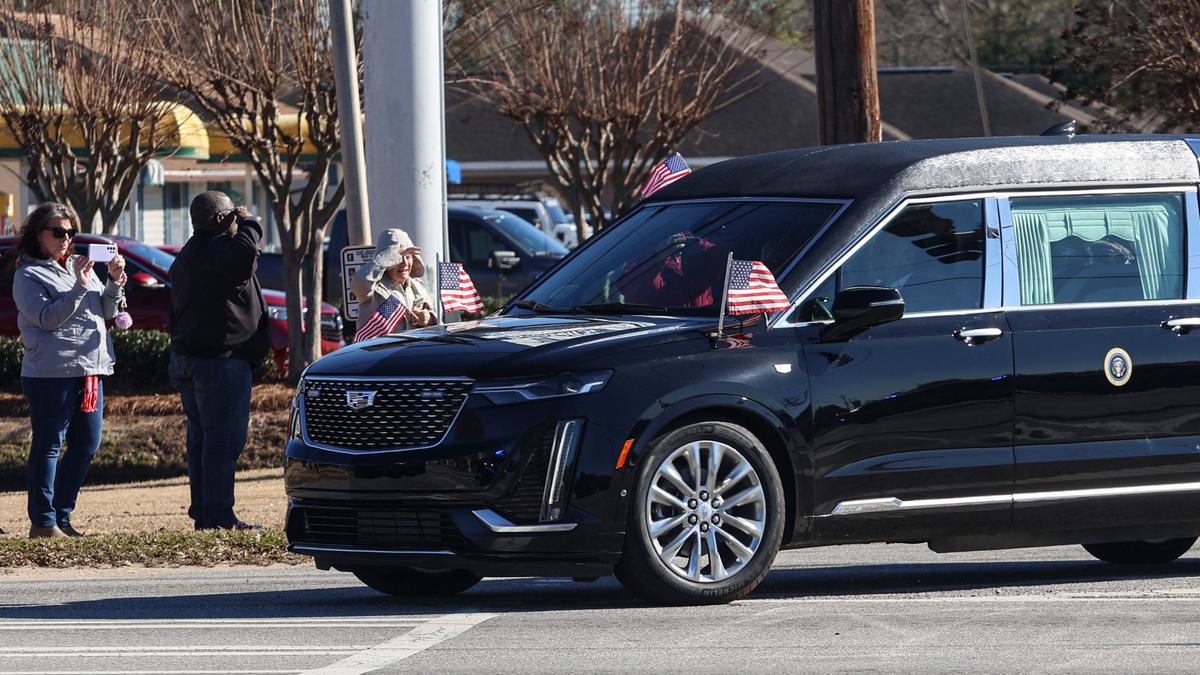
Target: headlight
[(277, 313), (517, 391)]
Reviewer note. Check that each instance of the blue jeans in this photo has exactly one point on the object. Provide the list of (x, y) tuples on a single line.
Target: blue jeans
[(216, 400), (55, 416)]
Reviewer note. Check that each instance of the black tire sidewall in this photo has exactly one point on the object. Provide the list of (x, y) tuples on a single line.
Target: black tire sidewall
[(640, 567)]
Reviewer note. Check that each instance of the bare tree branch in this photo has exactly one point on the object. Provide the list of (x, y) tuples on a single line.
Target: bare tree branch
[(262, 72)]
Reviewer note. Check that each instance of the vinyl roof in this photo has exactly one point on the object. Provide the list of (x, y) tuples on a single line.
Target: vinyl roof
[(898, 167)]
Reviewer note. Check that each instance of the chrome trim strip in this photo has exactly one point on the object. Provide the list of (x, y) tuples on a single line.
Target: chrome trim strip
[(567, 436), (1101, 305), (350, 378), (383, 378), (1057, 495), (887, 504), (498, 523), (890, 504), (315, 549), (993, 273), (1191, 240)]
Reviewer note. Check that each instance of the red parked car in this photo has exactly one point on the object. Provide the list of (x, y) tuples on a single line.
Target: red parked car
[(148, 293)]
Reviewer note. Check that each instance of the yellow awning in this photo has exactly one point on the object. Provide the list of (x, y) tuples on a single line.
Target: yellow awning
[(179, 132), (290, 124)]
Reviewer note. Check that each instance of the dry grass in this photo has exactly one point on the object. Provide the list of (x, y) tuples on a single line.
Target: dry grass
[(159, 549), (264, 398)]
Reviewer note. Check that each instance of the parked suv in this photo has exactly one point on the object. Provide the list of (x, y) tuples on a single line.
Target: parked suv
[(990, 343), (545, 213), (502, 253)]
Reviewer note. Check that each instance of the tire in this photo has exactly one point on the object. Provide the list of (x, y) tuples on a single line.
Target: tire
[(405, 582), (691, 575), (1140, 552)]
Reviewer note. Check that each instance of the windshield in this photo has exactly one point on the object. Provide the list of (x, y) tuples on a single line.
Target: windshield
[(526, 234), (157, 258), (556, 212), (673, 257)]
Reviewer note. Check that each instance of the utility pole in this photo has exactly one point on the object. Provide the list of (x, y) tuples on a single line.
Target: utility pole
[(402, 51), (345, 76), (847, 72)]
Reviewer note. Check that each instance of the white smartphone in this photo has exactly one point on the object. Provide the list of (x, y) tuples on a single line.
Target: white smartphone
[(102, 253)]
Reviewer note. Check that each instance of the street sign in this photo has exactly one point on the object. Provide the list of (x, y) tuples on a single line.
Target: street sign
[(353, 257)]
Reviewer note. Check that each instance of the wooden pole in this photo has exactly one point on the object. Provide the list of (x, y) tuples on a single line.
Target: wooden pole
[(847, 72)]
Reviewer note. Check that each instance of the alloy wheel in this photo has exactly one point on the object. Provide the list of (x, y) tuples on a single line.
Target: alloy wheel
[(706, 511)]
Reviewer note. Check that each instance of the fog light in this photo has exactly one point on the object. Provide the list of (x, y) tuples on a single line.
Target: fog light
[(562, 456)]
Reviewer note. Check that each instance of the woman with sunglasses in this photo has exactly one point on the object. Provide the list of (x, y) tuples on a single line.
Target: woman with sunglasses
[(61, 311)]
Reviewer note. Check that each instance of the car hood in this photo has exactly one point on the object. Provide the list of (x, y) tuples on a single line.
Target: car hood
[(505, 346)]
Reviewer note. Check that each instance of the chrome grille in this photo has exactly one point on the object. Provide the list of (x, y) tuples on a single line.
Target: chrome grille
[(388, 413)]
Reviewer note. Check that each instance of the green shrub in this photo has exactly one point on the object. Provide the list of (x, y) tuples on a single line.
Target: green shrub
[(143, 357)]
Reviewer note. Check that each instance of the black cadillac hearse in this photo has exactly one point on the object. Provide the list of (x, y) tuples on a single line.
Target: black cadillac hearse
[(991, 343)]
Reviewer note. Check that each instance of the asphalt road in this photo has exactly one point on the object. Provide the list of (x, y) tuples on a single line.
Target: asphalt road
[(849, 609)]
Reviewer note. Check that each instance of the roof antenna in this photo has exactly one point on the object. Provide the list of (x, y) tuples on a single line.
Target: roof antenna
[(1068, 129)]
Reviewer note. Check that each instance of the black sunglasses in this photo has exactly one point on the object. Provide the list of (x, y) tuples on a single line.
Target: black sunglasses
[(60, 232)]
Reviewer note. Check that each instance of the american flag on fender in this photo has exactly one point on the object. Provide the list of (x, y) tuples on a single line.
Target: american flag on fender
[(457, 290), (664, 173), (383, 321), (752, 289)]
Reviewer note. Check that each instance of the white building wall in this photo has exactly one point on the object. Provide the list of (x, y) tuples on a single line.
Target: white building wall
[(153, 231)]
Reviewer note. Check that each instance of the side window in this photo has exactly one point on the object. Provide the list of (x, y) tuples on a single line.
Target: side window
[(1099, 248), (527, 214), (931, 253), (481, 243)]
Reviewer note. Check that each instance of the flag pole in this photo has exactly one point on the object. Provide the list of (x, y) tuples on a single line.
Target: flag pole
[(724, 296), (437, 275)]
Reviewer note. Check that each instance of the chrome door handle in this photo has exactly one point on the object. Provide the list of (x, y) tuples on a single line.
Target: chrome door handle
[(974, 336), (1181, 325)]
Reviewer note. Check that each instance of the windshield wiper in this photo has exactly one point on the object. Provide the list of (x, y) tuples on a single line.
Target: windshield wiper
[(621, 308), (535, 306)]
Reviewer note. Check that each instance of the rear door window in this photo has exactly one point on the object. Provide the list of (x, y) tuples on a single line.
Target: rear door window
[(1099, 248)]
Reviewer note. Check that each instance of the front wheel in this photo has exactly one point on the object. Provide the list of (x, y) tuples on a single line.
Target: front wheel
[(406, 582), (1140, 552), (707, 518)]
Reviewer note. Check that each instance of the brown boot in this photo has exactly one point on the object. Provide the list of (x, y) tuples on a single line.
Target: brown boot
[(36, 532), (70, 531)]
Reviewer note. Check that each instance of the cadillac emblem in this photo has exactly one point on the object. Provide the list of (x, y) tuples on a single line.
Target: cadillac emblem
[(357, 400), (1118, 367)]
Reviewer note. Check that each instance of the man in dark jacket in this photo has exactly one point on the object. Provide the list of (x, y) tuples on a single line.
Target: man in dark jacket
[(218, 334)]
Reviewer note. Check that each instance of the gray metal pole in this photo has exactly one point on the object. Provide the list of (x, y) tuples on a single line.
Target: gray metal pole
[(403, 56), (345, 75)]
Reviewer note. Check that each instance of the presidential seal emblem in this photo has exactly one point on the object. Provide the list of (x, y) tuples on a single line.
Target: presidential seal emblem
[(1118, 367)]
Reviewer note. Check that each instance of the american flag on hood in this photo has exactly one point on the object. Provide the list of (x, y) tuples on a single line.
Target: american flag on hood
[(752, 289), (457, 290), (664, 173), (383, 321)]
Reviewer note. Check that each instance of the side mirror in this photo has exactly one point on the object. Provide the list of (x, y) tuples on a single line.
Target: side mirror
[(858, 308), (143, 280), (505, 260)]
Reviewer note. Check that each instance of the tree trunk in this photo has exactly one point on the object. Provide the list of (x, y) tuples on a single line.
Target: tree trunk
[(311, 345), (293, 286)]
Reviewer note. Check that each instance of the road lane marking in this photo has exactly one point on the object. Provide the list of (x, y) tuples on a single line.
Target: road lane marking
[(418, 639)]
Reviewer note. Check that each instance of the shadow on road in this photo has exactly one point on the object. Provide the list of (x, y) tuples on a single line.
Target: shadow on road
[(542, 595)]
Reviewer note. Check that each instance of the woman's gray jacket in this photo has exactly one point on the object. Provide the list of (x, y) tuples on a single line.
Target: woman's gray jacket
[(61, 321)]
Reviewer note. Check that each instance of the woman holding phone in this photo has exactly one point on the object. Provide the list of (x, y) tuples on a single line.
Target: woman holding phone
[(61, 312)]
